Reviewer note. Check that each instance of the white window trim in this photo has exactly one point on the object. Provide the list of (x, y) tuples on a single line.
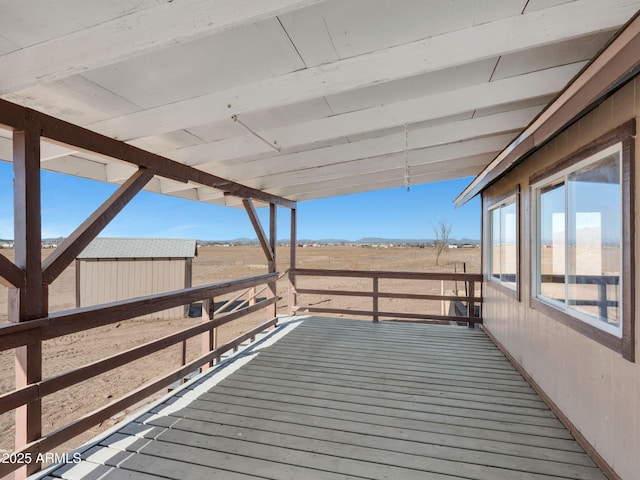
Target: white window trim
[(507, 201), (535, 219)]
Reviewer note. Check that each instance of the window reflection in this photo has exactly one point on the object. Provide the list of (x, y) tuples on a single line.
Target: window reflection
[(580, 241), (594, 239), (552, 242)]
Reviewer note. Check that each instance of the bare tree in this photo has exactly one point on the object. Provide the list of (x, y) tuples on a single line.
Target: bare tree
[(442, 231)]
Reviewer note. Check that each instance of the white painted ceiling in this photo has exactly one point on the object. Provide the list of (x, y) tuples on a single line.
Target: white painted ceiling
[(331, 97)]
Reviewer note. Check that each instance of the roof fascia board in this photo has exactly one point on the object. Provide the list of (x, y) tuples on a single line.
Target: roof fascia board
[(599, 78)]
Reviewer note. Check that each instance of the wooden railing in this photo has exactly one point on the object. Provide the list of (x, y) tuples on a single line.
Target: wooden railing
[(470, 281), (601, 281), (63, 323)]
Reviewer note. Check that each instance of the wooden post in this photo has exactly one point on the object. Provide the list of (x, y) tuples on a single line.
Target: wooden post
[(30, 301), (208, 337), (375, 299), (602, 299), (293, 296), (273, 243), (471, 306)]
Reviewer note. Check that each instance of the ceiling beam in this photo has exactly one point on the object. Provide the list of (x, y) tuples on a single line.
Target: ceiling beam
[(377, 181), (420, 162), (56, 130), (132, 35), (614, 64), (488, 40), (422, 109), (417, 160), (417, 138), (429, 107)]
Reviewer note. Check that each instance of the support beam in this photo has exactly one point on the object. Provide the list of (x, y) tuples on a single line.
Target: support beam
[(293, 296), (422, 160), (30, 301), (130, 36), (66, 133), (273, 245), (262, 238), (463, 131), (543, 83), (369, 183), (478, 42), (222, 156), (75, 243), (10, 275), (393, 172)]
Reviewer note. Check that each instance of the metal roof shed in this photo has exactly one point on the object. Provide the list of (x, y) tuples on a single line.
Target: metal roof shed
[(112, 269)]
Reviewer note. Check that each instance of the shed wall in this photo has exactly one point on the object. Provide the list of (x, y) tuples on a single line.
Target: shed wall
[(594, 386), (103, 281)]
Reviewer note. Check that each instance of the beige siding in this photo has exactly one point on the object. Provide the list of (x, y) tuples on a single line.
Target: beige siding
[(111, 280), (595, 387)]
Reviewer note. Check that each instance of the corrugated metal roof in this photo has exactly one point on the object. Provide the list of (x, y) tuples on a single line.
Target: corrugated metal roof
[(140, 248)]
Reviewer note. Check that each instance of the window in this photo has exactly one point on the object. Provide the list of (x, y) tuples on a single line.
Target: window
[(503, 243), (582, 239)]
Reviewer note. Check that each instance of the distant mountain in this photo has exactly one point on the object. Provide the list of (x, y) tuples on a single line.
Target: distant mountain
[(364, 240), (382, 240)]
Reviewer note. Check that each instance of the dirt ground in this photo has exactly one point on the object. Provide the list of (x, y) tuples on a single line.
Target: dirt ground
[(211, 265)]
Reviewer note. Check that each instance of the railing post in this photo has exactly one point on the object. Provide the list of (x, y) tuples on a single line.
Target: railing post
[(376, 318), (293, 296), (471, 305), (31, 300), (272, 285), (208, 337), (602, 300)]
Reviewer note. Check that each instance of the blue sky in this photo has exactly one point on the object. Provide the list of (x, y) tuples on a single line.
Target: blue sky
[(395, 213)]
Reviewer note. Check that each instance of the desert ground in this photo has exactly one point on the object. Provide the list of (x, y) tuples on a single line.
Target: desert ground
[(213, 263)]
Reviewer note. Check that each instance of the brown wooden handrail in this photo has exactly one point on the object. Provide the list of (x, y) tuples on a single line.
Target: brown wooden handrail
[(320, 272), (80, 319), (72, 321), (469, 279), (51, 440)]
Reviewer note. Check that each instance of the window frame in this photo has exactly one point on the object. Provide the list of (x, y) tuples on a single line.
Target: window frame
[(558, 173), (511, 197)]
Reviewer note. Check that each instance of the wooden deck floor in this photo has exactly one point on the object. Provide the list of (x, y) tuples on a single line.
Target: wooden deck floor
[(335, 399)]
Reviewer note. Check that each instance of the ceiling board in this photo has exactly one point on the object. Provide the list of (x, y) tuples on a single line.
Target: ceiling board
[(547, 56), (416, 160), (475, 43), (121, 36), (415, 86), (337, 29), (74, 99), (534, 5), (236, 57), (454, 133), (396, 178), (324, 90), (429, 107), (29, 22), (369, 185)]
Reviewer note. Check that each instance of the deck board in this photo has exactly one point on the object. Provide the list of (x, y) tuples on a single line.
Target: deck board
[(337, 398)]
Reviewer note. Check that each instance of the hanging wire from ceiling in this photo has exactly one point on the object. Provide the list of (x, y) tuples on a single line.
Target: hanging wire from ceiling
[(255, 134), (407, 172)]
